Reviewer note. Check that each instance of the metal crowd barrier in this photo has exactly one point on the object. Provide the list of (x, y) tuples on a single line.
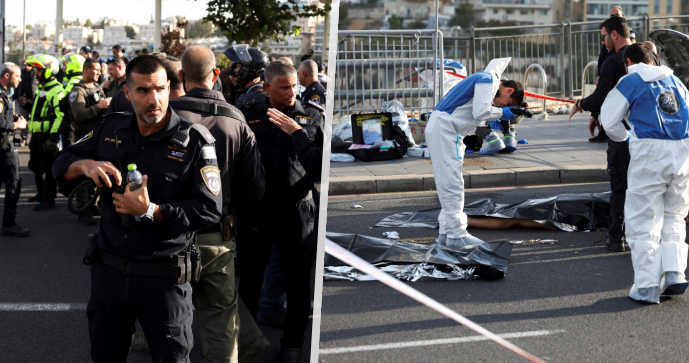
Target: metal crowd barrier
[(544, 77), (375, 66)]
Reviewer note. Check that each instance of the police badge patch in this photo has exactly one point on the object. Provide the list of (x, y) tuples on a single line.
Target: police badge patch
[(2, 106), (86, 137), (211, 177), (303, 119), (668, 102), (315, 99), (73, 96)]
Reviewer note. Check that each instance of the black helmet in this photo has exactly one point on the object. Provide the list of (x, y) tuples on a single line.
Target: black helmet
[(253, 61)]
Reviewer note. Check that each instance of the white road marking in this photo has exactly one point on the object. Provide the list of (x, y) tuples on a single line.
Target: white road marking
[(42, 307), (420, 343)]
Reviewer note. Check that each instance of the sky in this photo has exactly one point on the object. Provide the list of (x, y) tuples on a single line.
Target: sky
[(137, 11)]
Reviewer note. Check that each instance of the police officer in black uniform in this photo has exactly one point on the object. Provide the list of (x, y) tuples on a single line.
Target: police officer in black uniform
[(141, 269), (215, 296), (251, 64), (10, 76), (87, 103), (286, 213), (308, 77)]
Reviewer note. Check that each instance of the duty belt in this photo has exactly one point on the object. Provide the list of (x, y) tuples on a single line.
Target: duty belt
[(157, 269)]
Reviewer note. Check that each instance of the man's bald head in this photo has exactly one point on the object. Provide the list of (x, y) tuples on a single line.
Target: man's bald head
[(308, 72), (198, 64), (286, 59), (650, 45)]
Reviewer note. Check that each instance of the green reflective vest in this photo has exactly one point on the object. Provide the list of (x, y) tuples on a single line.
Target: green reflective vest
[(71, 83), (46, 115)]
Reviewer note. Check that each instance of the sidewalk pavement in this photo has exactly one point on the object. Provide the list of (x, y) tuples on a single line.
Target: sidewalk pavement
[(558, 153)]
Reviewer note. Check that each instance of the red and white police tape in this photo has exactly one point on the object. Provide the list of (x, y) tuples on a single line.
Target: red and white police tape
[(527, 94), (351, 259)]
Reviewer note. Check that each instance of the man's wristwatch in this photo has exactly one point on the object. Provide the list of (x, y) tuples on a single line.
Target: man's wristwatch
[(148, 216)]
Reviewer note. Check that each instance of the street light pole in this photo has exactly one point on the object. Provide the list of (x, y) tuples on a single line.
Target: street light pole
[(58, 28), (157, 42), (24, 32), (2, 31)]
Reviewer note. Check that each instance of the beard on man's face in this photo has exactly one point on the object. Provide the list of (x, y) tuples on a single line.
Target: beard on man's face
[(141, 113)]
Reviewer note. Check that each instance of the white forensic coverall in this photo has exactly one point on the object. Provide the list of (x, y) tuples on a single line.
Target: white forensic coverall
[(654, 102), (455, 117)]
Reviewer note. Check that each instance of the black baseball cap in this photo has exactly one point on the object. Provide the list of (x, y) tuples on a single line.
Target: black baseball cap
[(85, 49)]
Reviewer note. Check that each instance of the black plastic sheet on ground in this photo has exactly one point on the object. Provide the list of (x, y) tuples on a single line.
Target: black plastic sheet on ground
[(568, 212), (417, 262)]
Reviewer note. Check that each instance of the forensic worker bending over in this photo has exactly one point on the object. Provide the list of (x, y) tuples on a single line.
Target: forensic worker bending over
[(479, 97), (654, 102)]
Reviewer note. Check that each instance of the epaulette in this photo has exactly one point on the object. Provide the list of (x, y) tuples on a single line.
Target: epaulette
[(318, 107), (248, 104), (116, 114), (181, 137), (250, 99)]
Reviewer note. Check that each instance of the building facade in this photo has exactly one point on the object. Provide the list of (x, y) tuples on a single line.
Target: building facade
[(599, 10)]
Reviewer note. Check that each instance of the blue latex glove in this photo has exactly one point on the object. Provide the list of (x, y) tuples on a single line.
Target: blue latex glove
[(507, 113), (495, 125)]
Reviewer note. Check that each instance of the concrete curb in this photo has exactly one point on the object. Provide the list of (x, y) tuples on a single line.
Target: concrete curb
[(544, 175)]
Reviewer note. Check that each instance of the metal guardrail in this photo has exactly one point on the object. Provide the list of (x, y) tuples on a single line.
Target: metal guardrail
[(374, 62), (544, 77), (583, 77), (376, 66)]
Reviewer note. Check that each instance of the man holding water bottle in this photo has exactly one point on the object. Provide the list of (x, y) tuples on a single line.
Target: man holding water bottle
[(140, 270)]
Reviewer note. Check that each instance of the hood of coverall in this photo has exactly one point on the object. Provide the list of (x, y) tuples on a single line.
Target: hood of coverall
[(650, 73), (673, 46), (497, 66)]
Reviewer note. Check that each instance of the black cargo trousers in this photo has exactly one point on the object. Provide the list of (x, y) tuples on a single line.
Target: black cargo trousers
[(291, 225), (618, 165)]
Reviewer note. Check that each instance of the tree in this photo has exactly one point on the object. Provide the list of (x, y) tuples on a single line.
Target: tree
[(172, 41), (395, 22), (89, 41), (256, 21), (200, 29), (29, 27), (88, 23), (497, 23), (152, 21), (416, 24), (222, 62), (131, 32), (464, 16)]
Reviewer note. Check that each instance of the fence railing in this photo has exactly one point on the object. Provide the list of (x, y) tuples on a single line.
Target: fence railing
[(375, 66)]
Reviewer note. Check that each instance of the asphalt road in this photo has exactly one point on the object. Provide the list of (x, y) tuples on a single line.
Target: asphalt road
[(46, 268), (565, 302)]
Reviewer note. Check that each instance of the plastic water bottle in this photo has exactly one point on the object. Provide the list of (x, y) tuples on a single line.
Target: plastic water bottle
[(135, 179)]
